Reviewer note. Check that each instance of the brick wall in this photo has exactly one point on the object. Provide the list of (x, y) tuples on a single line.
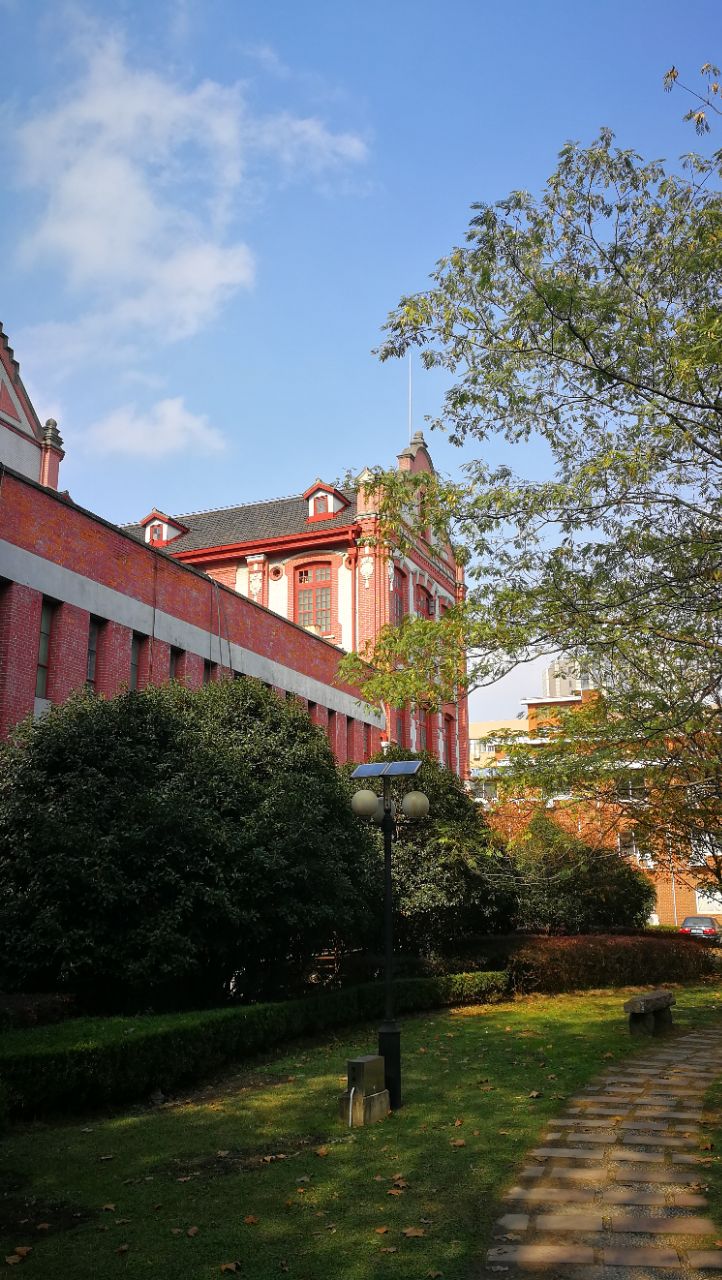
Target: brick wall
[(61, 534), (20, 609)]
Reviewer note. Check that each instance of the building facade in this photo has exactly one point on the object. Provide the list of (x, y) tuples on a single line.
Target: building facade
[(317, 559), (275, 591)]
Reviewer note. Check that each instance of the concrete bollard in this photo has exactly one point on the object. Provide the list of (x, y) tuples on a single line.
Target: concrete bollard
[(365, 1100)]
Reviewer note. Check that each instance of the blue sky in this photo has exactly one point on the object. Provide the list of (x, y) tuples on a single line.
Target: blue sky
[(210, 206)]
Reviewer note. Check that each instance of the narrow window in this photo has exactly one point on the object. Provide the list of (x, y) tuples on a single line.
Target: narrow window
[(350, 747), (46, 627), (331, 731), (399, 598), (174, 664), (400, 720), (367, 741), (93, 644), (424, 603), (320, 505), (449, 736), (207, 670), (135, 645)]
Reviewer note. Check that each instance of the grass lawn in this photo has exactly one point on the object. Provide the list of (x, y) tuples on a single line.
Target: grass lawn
[(257, 1169)]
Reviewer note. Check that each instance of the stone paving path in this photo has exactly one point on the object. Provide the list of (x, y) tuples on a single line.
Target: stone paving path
[(616, 1190)]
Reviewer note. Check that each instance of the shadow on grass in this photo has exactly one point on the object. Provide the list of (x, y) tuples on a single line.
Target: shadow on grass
[(439, 1165)]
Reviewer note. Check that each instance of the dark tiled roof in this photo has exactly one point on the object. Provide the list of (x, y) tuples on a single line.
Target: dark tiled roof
[(253, 522)]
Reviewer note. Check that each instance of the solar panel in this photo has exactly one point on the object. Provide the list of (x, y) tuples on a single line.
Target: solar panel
[(394, 769)]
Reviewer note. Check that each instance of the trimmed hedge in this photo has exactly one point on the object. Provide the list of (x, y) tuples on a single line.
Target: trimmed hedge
[(109, 1061), (551, 965)]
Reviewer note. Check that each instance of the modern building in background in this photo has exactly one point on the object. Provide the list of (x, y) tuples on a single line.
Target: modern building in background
[(563, 679)]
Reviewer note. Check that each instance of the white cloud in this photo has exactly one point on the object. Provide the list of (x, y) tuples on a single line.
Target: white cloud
[(168, 427), (141, 179)]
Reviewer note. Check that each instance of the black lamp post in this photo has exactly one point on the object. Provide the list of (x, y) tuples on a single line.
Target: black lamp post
[(366, 804)]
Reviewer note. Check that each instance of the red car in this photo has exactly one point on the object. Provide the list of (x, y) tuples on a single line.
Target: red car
[(701, 927)]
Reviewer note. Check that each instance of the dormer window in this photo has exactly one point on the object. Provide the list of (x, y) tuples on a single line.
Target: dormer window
[(160, 528), (324, 501)]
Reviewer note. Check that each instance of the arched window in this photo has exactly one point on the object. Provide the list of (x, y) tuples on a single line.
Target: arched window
[(313, 597)]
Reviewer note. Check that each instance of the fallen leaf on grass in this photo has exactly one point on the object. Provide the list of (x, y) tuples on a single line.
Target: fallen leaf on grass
[(400, 1182), (321, 1151), (192, 1231), (457, 1142), (413, 1232), (122, 1222), (186, 1178), (250, 1220), (395, 1191), (458, 1123), (222, 1154), (12, 1259), (434, 1275), (108, 1208), (535, 1093), (176, 1231), (380, 1231), (106, 1157), (231, 1267), (22, 1250), (389, 1248), (123, 1248), (43, 1226)]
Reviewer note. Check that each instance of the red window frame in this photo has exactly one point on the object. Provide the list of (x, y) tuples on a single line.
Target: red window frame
[(400, 727), (320, 504), (449, 741), (399, 597), (314, 596), (424, 603), (425, 724)]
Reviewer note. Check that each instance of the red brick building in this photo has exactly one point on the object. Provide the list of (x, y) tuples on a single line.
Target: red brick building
[(316, 559), (271, 590)]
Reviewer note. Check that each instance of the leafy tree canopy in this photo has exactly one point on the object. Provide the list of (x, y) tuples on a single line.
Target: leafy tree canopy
[(563, 884), (587, 318), (155, 847)]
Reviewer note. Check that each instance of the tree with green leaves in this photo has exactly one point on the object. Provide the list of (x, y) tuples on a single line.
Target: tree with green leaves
[(707, 101), (165, 846), (451, 877), (586, 320), (564, 885)]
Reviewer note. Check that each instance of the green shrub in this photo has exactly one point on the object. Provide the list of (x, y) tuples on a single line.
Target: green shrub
[(551, 965), (98, 1062), (159, 846), (567, 886)]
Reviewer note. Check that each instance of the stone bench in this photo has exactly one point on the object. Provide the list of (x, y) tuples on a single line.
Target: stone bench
[(650, 1014)]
